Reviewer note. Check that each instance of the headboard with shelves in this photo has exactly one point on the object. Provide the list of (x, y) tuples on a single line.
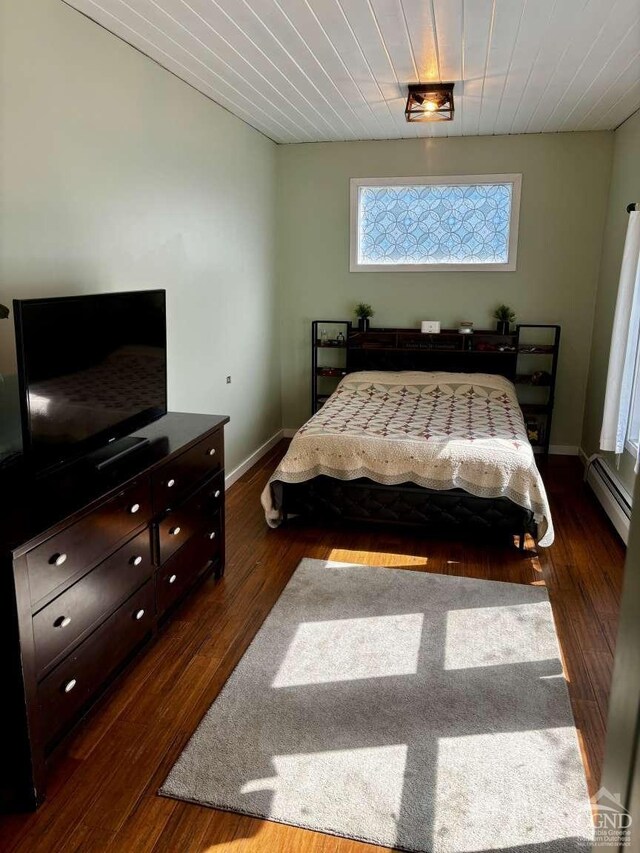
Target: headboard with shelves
[(483, 351)]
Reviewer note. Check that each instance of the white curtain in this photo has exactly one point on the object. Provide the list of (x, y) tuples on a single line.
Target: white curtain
[(624, 344)]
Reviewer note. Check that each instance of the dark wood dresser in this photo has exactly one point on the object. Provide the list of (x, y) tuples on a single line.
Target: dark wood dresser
[(92, 564)]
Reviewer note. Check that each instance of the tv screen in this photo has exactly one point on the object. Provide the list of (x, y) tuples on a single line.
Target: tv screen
[(91, 369)]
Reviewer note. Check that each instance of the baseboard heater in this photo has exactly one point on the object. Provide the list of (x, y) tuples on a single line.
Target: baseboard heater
[(615, 499)]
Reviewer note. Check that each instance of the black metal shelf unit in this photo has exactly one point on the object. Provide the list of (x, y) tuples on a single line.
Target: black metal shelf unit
[(536, 380), (327, 371)]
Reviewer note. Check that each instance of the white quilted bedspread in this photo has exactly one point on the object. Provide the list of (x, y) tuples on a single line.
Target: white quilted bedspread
[(438, 430)]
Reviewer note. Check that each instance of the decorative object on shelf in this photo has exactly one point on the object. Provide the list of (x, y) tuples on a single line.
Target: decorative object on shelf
[(324, 337), (364, 313), (536, 349), (331, 371), (504, 316), (533, 430), (340, 339), (541, 377), (465, 327), (430, 327), (429, 102)]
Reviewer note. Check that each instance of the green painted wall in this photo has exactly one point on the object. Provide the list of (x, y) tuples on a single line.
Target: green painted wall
[(564, 197), (625, 188), (116, 175)]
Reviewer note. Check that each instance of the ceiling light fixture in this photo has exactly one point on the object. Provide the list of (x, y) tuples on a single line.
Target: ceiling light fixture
[(430, 102)]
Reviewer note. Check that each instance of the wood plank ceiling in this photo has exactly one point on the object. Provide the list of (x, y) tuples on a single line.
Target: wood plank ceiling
[(312, 70)]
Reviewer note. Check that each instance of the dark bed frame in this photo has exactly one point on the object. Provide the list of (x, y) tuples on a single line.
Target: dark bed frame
[(452, 512)]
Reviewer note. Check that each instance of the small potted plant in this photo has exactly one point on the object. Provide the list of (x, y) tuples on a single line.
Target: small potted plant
[(364, 313), (504, 317)]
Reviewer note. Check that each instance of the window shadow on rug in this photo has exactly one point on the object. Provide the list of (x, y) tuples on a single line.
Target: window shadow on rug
[(414, 711)]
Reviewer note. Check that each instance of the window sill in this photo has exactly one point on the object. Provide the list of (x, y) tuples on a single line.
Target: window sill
[(480, 267)]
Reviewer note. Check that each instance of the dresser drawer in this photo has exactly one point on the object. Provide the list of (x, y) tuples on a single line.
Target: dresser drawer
[(183, 569), (91, 599), (79, 546), (184, 473), (182, 523), (65, 693)]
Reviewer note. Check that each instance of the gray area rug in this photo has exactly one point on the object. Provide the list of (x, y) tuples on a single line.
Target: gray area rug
[(412, 710)]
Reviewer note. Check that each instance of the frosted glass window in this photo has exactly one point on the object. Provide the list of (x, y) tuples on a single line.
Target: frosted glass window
[(435, 223)]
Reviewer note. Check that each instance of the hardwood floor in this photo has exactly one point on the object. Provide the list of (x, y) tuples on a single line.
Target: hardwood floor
[(102, 795)]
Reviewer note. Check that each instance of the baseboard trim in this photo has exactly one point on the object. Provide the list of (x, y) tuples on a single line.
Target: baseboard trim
[(251, 460), (563, 450), (611, 494)]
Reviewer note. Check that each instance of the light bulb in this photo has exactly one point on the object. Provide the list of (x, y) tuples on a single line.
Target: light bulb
[(430, 106)]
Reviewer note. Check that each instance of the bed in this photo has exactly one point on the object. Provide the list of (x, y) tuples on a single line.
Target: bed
[(446, 451)]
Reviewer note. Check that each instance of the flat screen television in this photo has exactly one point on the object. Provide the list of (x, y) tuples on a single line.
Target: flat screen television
[(91, 370)]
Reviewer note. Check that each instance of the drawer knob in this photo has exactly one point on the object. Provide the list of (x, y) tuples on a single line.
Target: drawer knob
[(70, 685), (216, 494), (212, 535), (134, 508), (171, 483), (211, 451), (173, 578), (139, 614), (135, 561), (58, 559), (174, 531), (62, 622)]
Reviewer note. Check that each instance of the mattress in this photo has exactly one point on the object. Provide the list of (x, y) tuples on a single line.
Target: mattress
[(438, 430)]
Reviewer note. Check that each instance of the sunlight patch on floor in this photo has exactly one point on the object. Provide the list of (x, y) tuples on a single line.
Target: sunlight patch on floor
[(535, 565), (377, 558), (494, 811), (349, 649), (296, 774), (498, 636)]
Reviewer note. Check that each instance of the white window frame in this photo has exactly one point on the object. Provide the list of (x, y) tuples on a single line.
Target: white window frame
[(631, 444), (357, 183)]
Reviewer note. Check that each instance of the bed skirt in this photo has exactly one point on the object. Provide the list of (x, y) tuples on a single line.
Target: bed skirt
[(452, 512)]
